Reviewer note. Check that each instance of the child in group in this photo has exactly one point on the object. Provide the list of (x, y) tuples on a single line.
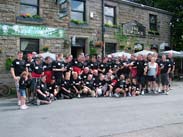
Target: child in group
[(22, 90)]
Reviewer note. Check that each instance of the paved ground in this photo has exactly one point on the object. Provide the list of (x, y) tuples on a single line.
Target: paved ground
[(143, 116)]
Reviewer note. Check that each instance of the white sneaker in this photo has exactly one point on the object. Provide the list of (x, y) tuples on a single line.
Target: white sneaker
[(167, 93), (24, 107), (116, 95), (79, 95), (19, 103), (38, 102), (142, 92)]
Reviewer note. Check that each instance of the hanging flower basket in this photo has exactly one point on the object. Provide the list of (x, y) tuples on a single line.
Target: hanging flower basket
[(98, 43)]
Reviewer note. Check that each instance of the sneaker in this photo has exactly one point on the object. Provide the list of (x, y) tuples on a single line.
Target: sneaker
[(38, 102), (129, 94), (110, 94), (19, 103), (167, 93), (155, 92), (116, 95), (142, 92), (79, 95), (159, 90), (23, 107)]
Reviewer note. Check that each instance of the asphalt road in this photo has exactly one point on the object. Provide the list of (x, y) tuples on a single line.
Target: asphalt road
[(143, 116)]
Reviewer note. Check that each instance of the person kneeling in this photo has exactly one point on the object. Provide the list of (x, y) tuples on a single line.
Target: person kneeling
[(44, 97)]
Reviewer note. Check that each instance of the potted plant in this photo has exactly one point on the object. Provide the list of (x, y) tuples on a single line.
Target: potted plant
[(8, 63), (98, 43), (45, 48)]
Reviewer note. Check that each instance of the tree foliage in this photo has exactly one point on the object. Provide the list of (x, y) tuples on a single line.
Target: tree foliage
[(176, 7)]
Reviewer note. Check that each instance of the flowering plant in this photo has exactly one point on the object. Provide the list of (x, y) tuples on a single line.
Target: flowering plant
[(26, 15), (45, 48)]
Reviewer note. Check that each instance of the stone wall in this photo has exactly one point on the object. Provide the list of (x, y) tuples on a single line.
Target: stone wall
[(125, 11)]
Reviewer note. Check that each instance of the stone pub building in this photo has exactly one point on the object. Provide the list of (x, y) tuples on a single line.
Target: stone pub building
[(75, 26)]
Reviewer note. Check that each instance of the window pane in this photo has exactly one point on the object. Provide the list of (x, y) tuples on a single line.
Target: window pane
[(29, 45), (109, 11), (77, 16), (28, 9), (32, 2), (77, 5), (109, 20), (110, 48)]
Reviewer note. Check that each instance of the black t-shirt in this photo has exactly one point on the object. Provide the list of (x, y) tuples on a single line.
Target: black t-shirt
[(99, 83), (89, 84), (135, 86), (51, 87), (19, 66), (165, 65), (22, 83), (76, 82), (172, 62), (58, 65), (66, 84), (93, 65), (42, 86), (47, 67), (120, 84), (28, 64), (140, 66), (78, 64), (36, 68), (84, 76)]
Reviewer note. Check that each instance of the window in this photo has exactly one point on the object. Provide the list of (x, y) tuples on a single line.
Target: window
[(153, 22), (109, 15), (29, 6), (78, 10), (110, 48), (29, 45)]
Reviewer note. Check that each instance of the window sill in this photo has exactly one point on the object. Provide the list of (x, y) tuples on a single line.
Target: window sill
[(71, 24), (20, 19), (153, 33)]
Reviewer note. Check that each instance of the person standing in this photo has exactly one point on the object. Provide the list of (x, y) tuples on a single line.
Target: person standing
[(151, 74), (171, 74), (22, 89), (165, 70), (17, 67)]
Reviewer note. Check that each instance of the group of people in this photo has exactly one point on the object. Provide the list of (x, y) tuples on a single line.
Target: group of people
[(66, 78)]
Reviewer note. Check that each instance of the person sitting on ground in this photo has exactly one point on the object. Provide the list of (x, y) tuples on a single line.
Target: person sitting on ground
[(76, 84), (65, 88), (100, 86), (119, 87), (44, 97), (53, 88), (88, 86)]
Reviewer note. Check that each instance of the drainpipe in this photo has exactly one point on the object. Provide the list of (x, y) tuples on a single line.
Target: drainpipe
[(103, 29)]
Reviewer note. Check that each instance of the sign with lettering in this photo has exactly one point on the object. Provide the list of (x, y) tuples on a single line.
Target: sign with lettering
[(134, 28), (30, 31)]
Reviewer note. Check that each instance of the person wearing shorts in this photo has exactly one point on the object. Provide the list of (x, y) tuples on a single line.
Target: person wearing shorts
[(17, 67), (22, 89), (165, 70)]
